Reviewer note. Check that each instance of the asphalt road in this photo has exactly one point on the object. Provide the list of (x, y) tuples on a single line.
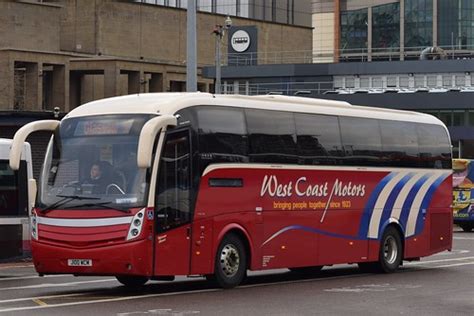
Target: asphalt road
[(442, 284)]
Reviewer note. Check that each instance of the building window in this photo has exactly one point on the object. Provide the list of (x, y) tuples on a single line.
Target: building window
[(418, 24), (386, 26), (228, 7), (377, 82), (354, 31), (471, 118), (446, 117), (458, 118), (431, 80), (455, 20)]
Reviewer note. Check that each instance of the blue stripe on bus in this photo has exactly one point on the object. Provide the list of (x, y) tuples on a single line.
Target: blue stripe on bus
[(387, 210), (420, 220), (409, 201), (311, 230), (369, 207)]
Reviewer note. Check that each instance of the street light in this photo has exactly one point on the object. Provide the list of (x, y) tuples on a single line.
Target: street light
[(219, 32)]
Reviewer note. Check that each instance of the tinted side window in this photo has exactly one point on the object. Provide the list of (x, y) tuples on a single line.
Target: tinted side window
[(399, 144), (13, 189), (272, 136), (435, 147), (318, 139), (361, 140), (222, 135)]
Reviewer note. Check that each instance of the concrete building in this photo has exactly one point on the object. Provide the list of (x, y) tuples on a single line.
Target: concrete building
[(63, 53)]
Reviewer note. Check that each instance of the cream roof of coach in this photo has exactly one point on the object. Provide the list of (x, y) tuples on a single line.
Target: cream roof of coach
[(170, 103)]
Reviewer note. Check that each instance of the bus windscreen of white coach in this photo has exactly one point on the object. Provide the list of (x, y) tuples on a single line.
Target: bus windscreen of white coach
[(93, 161)]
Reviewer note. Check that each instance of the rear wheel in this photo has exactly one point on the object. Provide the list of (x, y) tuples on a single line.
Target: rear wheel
[(132, 281), (390, 253), (230, 265)]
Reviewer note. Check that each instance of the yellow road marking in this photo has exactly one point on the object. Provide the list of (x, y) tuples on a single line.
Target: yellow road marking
[(39, 302)]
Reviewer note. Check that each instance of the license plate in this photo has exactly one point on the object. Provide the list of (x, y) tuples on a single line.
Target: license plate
[(79, 262)]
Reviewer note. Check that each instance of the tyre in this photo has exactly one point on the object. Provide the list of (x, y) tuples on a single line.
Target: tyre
[(466, 227), (230, 265), (132, 281), (306, 270), (390, 253)]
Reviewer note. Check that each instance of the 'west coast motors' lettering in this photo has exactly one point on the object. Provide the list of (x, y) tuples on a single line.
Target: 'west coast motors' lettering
[(302, 188)]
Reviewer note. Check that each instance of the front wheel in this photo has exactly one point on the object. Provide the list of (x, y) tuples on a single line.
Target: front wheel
[(230, 265), (132, 281)]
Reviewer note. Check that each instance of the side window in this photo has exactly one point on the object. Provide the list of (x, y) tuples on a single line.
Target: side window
[(272, 136), (173, 204), (318, 139), (13, 189), (435, 147), (399, 143), (222, 135), (361, 140)]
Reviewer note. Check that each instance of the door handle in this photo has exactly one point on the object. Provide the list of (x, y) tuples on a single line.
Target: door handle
[(188, 232)]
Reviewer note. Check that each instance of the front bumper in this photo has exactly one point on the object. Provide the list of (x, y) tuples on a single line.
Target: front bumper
[(133, 258)]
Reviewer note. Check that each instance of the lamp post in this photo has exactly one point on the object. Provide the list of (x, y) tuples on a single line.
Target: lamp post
[(219, 32)]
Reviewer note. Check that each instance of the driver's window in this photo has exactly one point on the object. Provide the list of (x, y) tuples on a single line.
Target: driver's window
[(174, 183)]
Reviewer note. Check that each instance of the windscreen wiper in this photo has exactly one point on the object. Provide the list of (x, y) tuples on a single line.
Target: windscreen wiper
[(106, 205), (65, 199)]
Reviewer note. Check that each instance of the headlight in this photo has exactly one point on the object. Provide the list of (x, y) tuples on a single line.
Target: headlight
[(34, 225), (136, 225)]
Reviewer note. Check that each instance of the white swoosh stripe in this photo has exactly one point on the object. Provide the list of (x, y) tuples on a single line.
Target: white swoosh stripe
[(90, 222), (415, 208), (380, 203), (402, 196)]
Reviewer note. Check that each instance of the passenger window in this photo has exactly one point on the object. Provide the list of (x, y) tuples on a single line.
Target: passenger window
[(399, 144), (435, 150), (318, 139), (173, 204), (361, 140), (222, 135), (272, 136)]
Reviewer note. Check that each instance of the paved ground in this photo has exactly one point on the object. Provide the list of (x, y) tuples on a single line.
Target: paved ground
[(438, 285)]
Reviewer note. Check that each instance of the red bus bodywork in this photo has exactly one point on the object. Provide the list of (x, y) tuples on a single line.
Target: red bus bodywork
[(288, 216)]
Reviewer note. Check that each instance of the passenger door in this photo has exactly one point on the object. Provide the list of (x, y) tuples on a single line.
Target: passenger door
[(173, 207)]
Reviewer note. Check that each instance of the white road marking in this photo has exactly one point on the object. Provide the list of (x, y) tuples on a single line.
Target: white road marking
[(463, 238), (437, 261), (16, 266), (46, 285), (372, 288), (456, 265), (43, 297), (33, 277)]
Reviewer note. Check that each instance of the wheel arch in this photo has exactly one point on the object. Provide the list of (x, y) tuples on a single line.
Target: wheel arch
[(393, 222), (240, 232)]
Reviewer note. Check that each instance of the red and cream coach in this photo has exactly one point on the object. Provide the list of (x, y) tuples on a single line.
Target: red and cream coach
[(215, 185)]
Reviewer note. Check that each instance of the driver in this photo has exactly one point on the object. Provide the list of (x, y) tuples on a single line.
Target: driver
[(96, 178)]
